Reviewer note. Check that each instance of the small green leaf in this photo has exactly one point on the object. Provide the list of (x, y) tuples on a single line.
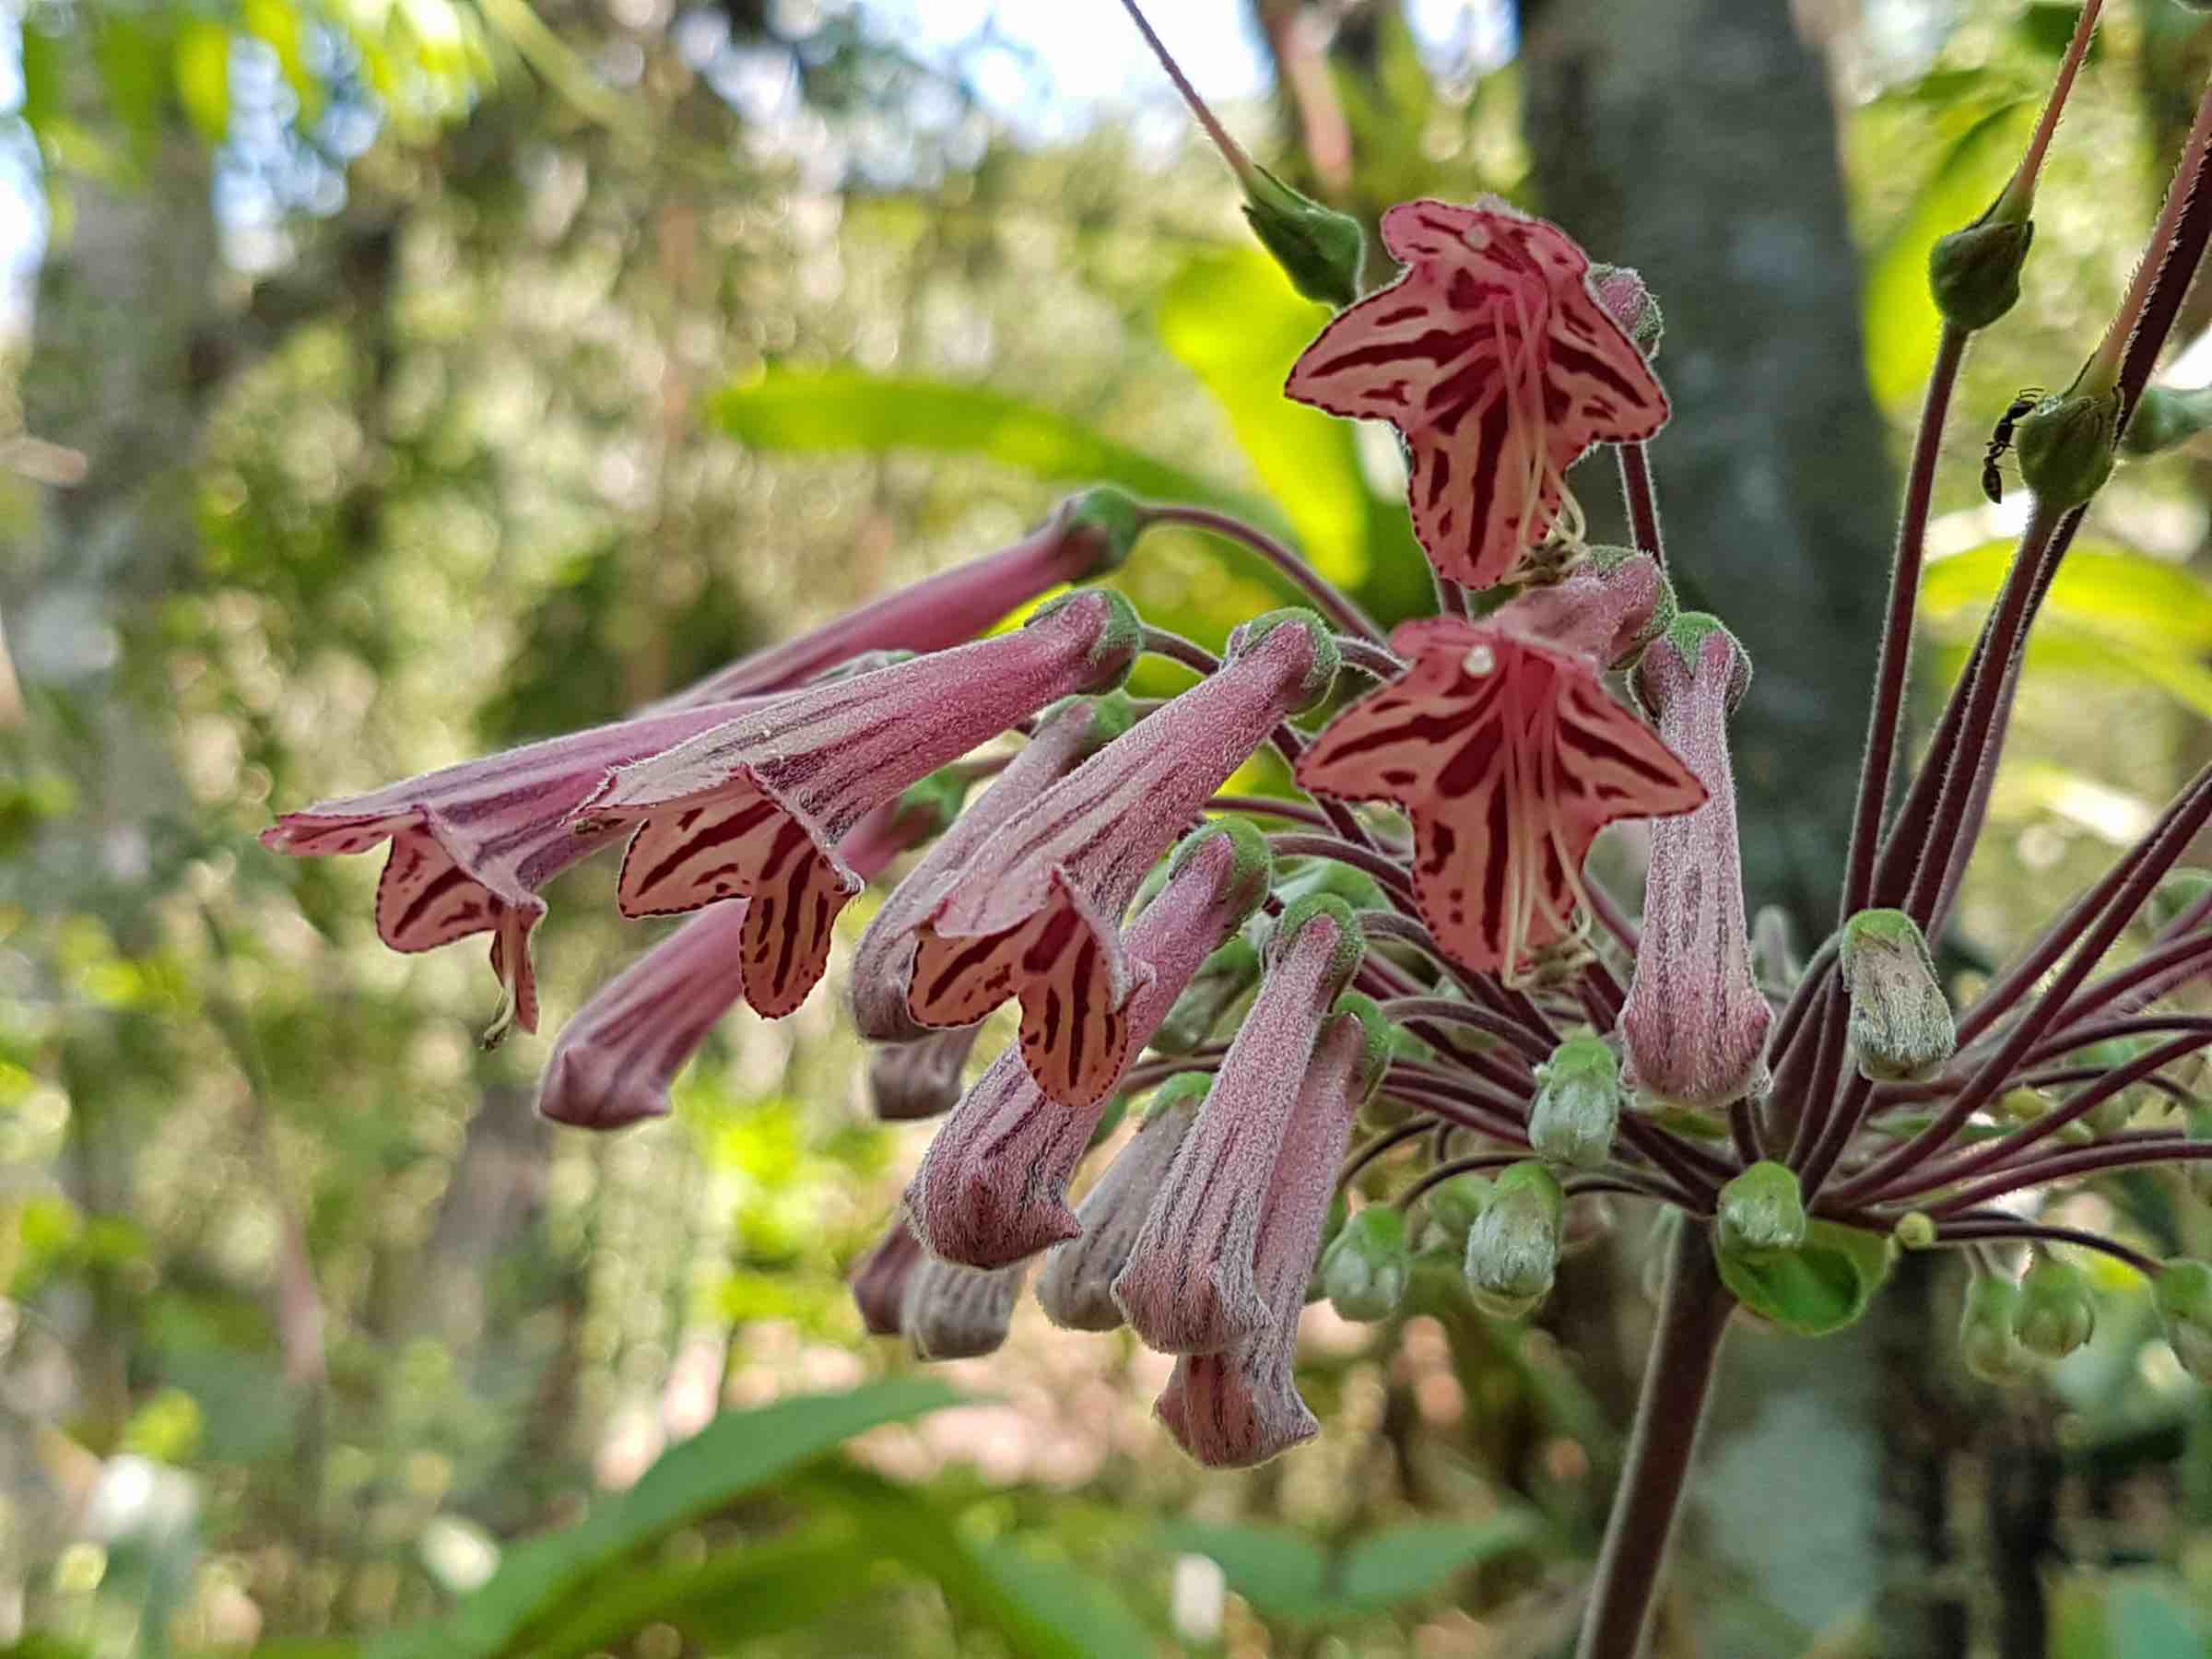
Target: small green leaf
[(1402, 1562), (1281, 1573), (1822, 1286), (202, 58)]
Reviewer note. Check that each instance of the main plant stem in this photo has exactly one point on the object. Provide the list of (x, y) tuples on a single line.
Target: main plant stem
[(1686, 1347)]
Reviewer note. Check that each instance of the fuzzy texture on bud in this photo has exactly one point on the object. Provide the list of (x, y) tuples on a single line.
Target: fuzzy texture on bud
[(2183, 1292), (993, 1187), (883, 965), (1608, 607), (1901, 1021), (879, 1279), (1454, 1205), (956, 1313), (1627, 300), (1975, 273), (1695, 1023), (2066, 446), (1577, 1104), (1035, 915), (1985, 1331), (1077, 1287), (1513, 1248), (1233, 1409), (2056, 1312), (1761, 1213), (1363, 1272), (1222, 981), (1188, 1288)]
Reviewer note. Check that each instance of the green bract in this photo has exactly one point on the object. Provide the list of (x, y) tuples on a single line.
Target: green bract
[(1823, 1285), (1363, 1271)]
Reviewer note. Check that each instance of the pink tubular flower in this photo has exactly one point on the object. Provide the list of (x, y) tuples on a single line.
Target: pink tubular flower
[(1233, 1409), (1088, 536), (1505, 750), (755, 807), (992, 1186), (879, 1279), (615, 1057), (955, 1313), (883, 967), (1499, 366), (1695, 1022), (908, 1081), (472, 845), (1036, 913), (1076, 1289), (1188, 1286)]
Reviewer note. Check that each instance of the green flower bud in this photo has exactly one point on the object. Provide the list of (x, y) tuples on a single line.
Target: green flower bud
[(1454, 1206), (1321, 676), (2166, 415), (1761, 1212), (1577, 1103), (1915, 1230), (1110, 518), (1513, 1247), (1320, 251), (2065, 444), (1985, 1331), (1364, 1271), (2183, 1292), (1119, 642), (1975, 273), (2114, 1113), (2181, 891), (1217, 986), (1379, 1033), (2056, 1314), (1351, 943), (1901, 1023)]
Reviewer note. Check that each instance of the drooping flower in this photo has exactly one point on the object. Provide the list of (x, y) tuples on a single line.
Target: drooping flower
[(1077, 1287), (908, 1081), (1036, 913), (472, 844), (879, 1279), (1242, 1407), (1509, 754), (1499, 366), (993, 1187), (755, 807), (1695, 1021), (1088, 536), (1189, 1287), (883, 965), (955, 1313), (614, 1059)]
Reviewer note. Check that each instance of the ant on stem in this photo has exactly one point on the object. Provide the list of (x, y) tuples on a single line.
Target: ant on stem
[(1993, 481)]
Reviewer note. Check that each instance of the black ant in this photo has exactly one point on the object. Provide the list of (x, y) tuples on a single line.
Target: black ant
[(1993, 481)]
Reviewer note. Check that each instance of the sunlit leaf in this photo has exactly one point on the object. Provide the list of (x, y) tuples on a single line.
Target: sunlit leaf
[(1402, 1562), (1281, 1573), (846, 411), (1822, 1286), (2099, 583), (1902, 325), (202, 57)]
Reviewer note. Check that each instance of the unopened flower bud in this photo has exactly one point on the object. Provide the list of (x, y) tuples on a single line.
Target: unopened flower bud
[(2184, 1291), (956, 1313), (1107, 519), (1222, 979), (908, 1081), (1320, 250), (1323, 658), (1454, 1205), (2179, 894), (2165, 417), (878, 1281), (1774, 960), (1621, 290), (1077, 1287), (1761, 1212), (1513, 1248), (1985, 1331), (1975, 273), (1364, 1269), (2056, 1314), (2065, 445), (1901, 1023), (1915, 1230), (1577, 1103)]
